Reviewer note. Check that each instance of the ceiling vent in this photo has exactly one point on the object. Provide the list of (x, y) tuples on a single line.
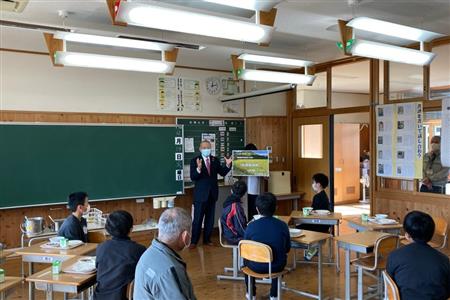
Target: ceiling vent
[(16, 6)]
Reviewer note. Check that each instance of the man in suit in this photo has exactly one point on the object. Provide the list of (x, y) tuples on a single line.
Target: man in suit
[(204, 170)]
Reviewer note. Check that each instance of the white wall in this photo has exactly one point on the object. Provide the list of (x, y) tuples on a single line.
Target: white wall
[(29, 82)]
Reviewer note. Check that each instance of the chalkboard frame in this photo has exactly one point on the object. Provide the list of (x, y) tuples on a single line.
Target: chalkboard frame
[(2, 123)]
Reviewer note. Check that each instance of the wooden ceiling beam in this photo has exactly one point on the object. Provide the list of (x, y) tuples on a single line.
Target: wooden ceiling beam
[(113, 6), (53, 45)]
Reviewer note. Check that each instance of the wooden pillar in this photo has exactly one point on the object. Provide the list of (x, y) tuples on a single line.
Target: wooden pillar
[(374, 100)]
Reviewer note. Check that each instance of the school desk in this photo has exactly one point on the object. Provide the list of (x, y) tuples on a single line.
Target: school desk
[(310, 239), (35, 254), (9, 283), (359, 225), (63, 282), (360, 242)]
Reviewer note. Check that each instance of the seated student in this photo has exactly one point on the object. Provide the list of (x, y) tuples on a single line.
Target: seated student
[(419, 271), (75, 226), (233, 217), (272, 232), (117, 258)]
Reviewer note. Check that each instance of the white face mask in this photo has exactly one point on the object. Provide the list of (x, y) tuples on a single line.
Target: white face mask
[(188, 244), (314, 187), (88, 208)]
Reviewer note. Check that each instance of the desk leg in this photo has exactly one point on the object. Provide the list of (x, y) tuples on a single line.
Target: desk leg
[(2, 296), (360, 283), (30, 284), (347, 274), (65, 296), (319, 267), (49, 292), (295, 204)]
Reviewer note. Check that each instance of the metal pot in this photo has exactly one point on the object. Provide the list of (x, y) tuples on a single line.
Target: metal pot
[(32, 226), (56, 225)]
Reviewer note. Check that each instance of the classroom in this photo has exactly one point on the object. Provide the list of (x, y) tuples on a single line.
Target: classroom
[(224, 149)]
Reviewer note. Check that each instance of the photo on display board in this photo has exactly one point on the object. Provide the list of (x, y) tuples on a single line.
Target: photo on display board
[(400, 125), (400, 110), (380, 154), (400, 154), (380, 112), (380, 126), (380, 169), (380, 140)]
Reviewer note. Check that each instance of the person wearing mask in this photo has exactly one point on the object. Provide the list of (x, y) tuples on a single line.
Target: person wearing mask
[(161, 272), (204, 170), (419, 271), (74, 226), (435, 176)]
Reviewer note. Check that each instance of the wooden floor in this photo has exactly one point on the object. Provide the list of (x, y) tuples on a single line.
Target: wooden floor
[(204, 263)]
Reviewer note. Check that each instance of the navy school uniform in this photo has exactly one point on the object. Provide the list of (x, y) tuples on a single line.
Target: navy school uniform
[(116, 264), (320, 202), (74, 229)]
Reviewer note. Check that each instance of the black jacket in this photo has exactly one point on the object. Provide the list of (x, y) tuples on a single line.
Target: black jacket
[(206, 184), (74, 229), (116, 263)]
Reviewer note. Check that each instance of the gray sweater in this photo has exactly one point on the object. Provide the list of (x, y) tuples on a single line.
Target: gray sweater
[(161, 274)]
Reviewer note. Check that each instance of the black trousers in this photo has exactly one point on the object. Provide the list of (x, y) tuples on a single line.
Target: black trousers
[(203, 210)]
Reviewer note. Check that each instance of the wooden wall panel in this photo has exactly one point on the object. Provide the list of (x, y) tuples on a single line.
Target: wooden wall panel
[(269, 131)]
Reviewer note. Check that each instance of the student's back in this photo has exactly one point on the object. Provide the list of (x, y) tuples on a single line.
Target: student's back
[(233, 220), (420, 272), (275, 233)]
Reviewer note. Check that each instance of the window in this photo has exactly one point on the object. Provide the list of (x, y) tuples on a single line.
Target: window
[(314, 95), (311, 141), (439, 73), (405, 81), (350, 85)]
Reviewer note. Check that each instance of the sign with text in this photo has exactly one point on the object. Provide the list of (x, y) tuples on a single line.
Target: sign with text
[(251, 163)]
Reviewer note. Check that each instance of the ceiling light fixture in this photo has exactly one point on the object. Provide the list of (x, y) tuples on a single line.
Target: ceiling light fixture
[(391, 53), (87, 60), (393, 29), (271, 76), (275, 60), (112, 41), (256, 5), (165, 18)]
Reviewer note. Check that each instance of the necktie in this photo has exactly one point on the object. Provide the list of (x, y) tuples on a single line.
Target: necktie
[(208, 166)]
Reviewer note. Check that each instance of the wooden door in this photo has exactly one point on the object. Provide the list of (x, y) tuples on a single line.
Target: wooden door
[(346, 163), (311, 136)]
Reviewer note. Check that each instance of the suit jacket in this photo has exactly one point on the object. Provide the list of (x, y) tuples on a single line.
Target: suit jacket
[(206, 184)]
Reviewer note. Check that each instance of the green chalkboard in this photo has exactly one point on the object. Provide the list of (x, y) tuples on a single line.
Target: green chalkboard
[(42, 164), (229, 135)]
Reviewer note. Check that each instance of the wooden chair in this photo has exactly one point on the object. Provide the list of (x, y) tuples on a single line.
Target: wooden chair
[(261, 253), (235, 268), (130, 290), (98, 236), (390, 288), (375, 262)]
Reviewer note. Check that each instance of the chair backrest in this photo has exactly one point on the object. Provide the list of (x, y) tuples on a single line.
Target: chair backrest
[(390, 288), (97, 236), (255, 251), (385, 245), (441, 231), (130, 290)]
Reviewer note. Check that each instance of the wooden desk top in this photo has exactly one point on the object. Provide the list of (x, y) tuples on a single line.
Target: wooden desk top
[(46, 276), (37, 250), (371, 225), (311, 237), (9, 283), (297, 214), (5, 253), (365, 239), (295, 195)]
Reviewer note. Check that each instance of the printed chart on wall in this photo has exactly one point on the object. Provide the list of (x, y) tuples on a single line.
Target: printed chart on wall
[(224, 136), (445, 132), (399, 148), (177, 94)]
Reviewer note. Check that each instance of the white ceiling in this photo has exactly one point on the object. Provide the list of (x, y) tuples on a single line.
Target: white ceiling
[(305, 29)]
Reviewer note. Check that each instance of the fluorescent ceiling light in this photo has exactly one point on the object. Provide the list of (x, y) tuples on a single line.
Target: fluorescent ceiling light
[(164, 18), (88, 60), (392, 29), (270, 76), (112, 41), (265, 5), (391, 53), (275, 60)]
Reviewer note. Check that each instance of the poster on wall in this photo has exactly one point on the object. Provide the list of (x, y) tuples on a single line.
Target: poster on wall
[(178, 94), (399, 142), (445, 132)]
